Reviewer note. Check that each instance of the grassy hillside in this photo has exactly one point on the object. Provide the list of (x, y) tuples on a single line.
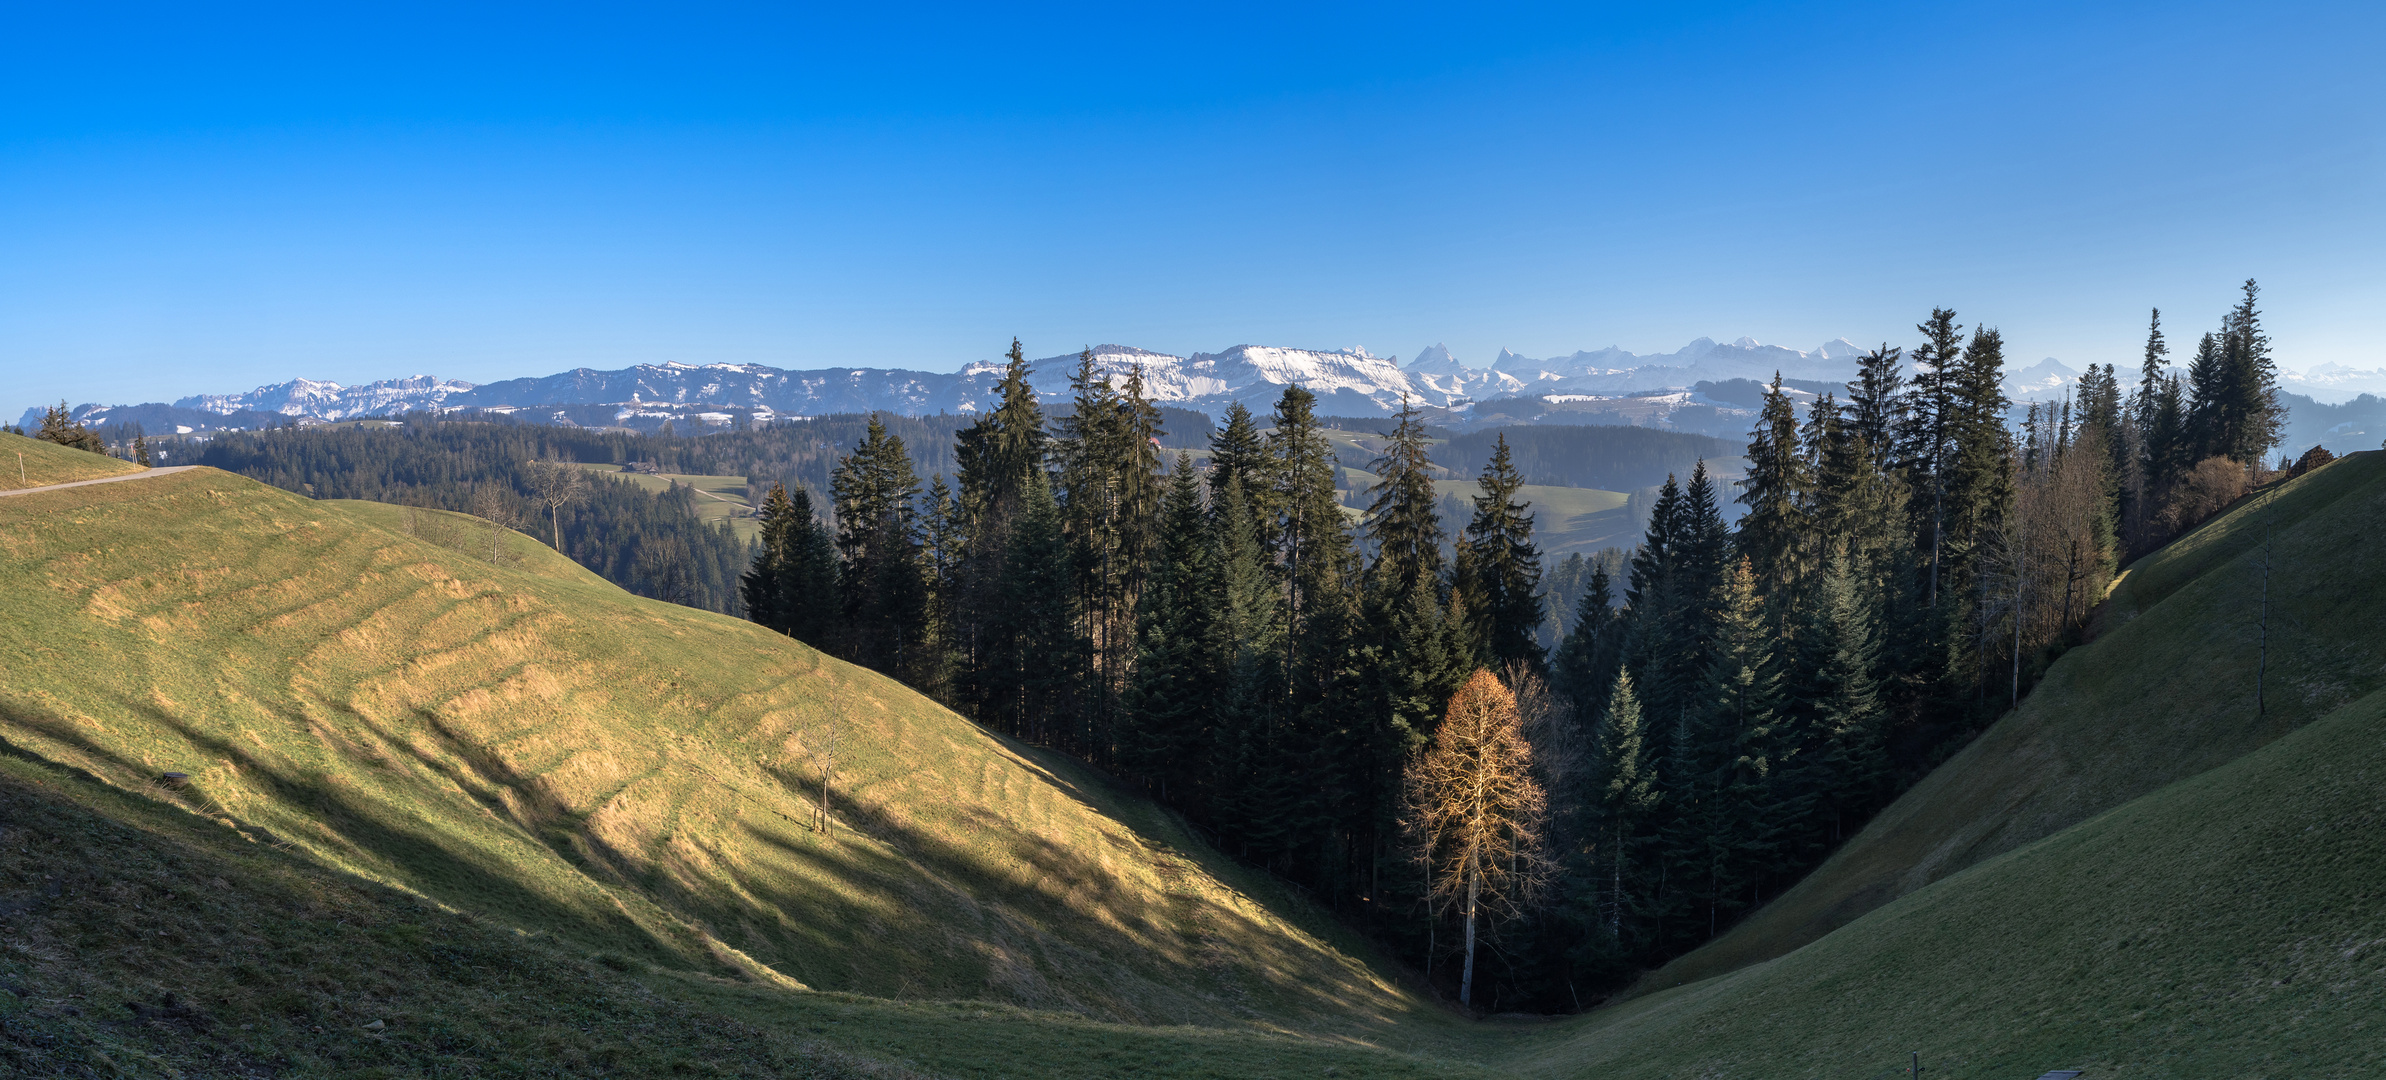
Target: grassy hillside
[(529, 744), (2166, 692), (137, 939), (50, 463), (2228, 925)]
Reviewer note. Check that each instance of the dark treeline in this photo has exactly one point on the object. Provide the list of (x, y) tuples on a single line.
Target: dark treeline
[(1726, 705), (651, 544)]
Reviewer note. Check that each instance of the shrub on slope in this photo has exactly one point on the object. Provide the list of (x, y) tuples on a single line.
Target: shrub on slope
[(2165, 693), (529, 743)]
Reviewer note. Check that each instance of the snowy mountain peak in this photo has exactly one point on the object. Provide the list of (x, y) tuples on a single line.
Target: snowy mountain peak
[(1435, 359), (2048, 378), (1746, 342), (330, 400)]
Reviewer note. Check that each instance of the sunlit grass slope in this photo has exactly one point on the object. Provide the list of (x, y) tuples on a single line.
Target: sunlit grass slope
[(531, 745), (140, 940), (2232, 924), (50, 463), (2166, 692)]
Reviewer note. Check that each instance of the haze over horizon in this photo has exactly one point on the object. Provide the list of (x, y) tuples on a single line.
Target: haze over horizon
[(198, 203)]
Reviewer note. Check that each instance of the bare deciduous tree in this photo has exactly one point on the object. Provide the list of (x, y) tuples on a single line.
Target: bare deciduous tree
[(558, 484), (1475, 813), (490, 504), (822, 752)]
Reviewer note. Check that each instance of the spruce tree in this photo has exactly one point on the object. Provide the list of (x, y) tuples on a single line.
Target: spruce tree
[(2208, 398), (1979, 484), (1925, 445), (1311, 537), (1037, 660), (1402, 522), (1835, 770), (1319, 738), (1248, 785), (1502, 566), (1409, 660), (1651, 598), (811, 602), (765, 579), (1180, 650), (1000, 456), (1107, 453), (1732, 751), (1239, 455), (1876, 411), (1628, 796), (885, 590), (1778, 491), (2254, 420), (1583, 671)]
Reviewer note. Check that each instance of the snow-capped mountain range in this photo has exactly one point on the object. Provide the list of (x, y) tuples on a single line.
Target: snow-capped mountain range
[(1348, 382)]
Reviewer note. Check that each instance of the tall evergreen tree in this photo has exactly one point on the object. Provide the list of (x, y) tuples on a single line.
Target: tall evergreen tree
[(1001, 455), (1239, 455), (885, 589), (1926, 445), (1583, 671), (1312, 538), (1181, 651), (792, 585), (1834, 770), (1778, 491), (1410, 658), (1876, 411), (2208, 400), (1107, 452), (1502, 566), (764, 581), (1628, 796), (1403, 524), (1729, 749), (1036, 661), (1249, 791), (2252, 422)]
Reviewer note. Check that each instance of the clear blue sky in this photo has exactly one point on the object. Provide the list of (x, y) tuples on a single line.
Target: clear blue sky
[(203, 198)]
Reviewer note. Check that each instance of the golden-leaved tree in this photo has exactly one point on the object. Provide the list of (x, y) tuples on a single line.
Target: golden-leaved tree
[(1475, 814)]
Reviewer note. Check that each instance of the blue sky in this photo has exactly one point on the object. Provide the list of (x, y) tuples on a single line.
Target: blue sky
[(207, 198)]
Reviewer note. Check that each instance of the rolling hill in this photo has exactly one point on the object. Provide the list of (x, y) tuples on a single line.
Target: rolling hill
[(526, 743), (28, 463)]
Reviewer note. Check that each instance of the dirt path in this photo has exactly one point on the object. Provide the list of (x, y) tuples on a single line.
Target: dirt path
[(147, 475)]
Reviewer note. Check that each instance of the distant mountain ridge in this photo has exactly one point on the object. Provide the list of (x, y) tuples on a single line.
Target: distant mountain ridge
[(1348, 382)]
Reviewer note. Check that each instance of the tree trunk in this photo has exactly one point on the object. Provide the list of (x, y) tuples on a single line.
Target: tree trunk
[(1466, 979)]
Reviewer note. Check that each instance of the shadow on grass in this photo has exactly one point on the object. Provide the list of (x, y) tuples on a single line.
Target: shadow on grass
[(415, 856)]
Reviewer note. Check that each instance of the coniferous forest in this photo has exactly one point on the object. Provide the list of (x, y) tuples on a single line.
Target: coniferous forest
[(1723, 709)]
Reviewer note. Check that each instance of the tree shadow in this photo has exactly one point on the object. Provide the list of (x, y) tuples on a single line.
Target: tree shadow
[(414, 855)]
